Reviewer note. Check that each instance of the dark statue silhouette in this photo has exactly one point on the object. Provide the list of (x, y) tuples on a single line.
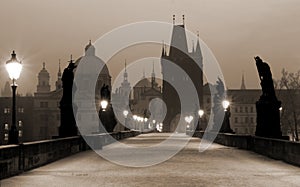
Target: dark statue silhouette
[(105, 93), (219, 111), (107, 116), (67, 122), (267, 107)]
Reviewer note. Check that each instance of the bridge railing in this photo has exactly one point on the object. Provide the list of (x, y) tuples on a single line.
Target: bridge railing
[(274, 148), (15, 159)]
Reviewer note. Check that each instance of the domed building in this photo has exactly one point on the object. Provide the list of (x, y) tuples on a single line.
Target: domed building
[(143, 92), (43, 81), (86, 76), (88, 68)]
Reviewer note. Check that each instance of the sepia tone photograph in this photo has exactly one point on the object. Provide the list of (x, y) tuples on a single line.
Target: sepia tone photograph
[(149, 93)]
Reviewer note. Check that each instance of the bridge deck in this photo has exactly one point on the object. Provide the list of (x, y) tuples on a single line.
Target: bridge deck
[(218, 166)]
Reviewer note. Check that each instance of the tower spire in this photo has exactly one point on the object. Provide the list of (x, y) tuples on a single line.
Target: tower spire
[(44, 65), (243, 85), (71, 59), (163, 49), (193, 44), (153, 75), (125, 73), (59, 69), (58, 83), (183, 20)]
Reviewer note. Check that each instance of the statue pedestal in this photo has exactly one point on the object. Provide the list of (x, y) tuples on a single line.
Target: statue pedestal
[(268, 118), (108, 120), (68, 124)]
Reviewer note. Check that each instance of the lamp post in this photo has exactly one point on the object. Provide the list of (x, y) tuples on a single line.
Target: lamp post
[(14, 68), (135, 121), (188, 119), (200, 113), (226, 123), (103, 104), (125, 113)]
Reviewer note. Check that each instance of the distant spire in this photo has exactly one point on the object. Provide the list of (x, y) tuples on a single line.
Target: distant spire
[(90, 43), (173, 19), (163, 49), (58, 83), (165, 46), (125, 64), (243, 85), (144, 74), (125, 73), (198, 34), (44, 64), (71, 59), (193, 44), (59, 70), (183, 19), (153, 75)]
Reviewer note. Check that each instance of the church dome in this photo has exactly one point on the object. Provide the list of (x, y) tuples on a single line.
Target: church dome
[(90, 57), (44, 72), (143, 83)]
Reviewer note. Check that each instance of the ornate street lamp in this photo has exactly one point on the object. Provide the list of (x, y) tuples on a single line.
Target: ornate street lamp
[(188, 119), (225, 104), (103, 104), (125, 113), (200, 113), (14, 68), (226, 122)]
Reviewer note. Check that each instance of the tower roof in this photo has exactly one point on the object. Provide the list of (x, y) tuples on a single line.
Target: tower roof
[(43, 71), (243, 85), (178, 41), (90, 49)]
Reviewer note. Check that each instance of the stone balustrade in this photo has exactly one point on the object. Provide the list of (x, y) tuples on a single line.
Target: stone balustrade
[(15, 159), (284, 150)]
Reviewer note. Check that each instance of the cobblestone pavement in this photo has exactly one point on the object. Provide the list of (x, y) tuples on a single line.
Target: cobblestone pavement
[(218, 166)]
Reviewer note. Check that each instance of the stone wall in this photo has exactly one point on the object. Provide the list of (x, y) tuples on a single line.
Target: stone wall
[(274, 148), (15, 159)]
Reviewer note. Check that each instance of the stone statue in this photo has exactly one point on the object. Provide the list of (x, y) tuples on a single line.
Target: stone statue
[(105, 93), (267, 107), (67, 83), (67, 121), (265, 77)]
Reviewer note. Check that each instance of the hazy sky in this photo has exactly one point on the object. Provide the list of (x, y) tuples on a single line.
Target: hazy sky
[(235, 30)]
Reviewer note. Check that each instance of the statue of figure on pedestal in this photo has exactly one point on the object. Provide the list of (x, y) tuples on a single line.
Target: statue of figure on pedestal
[(67, 121), (267, 107)]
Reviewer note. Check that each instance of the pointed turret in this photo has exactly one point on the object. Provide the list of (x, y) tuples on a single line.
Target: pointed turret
[(178, 41), (58, 83), (163, 50), (243, 85), (153, 76), (125, 73)]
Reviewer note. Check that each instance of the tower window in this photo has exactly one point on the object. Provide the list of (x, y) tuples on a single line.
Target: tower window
[(20, 123), (5, 137), (236, 120), (5, 126), (6, 110), (44, 104), (21, 110)]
